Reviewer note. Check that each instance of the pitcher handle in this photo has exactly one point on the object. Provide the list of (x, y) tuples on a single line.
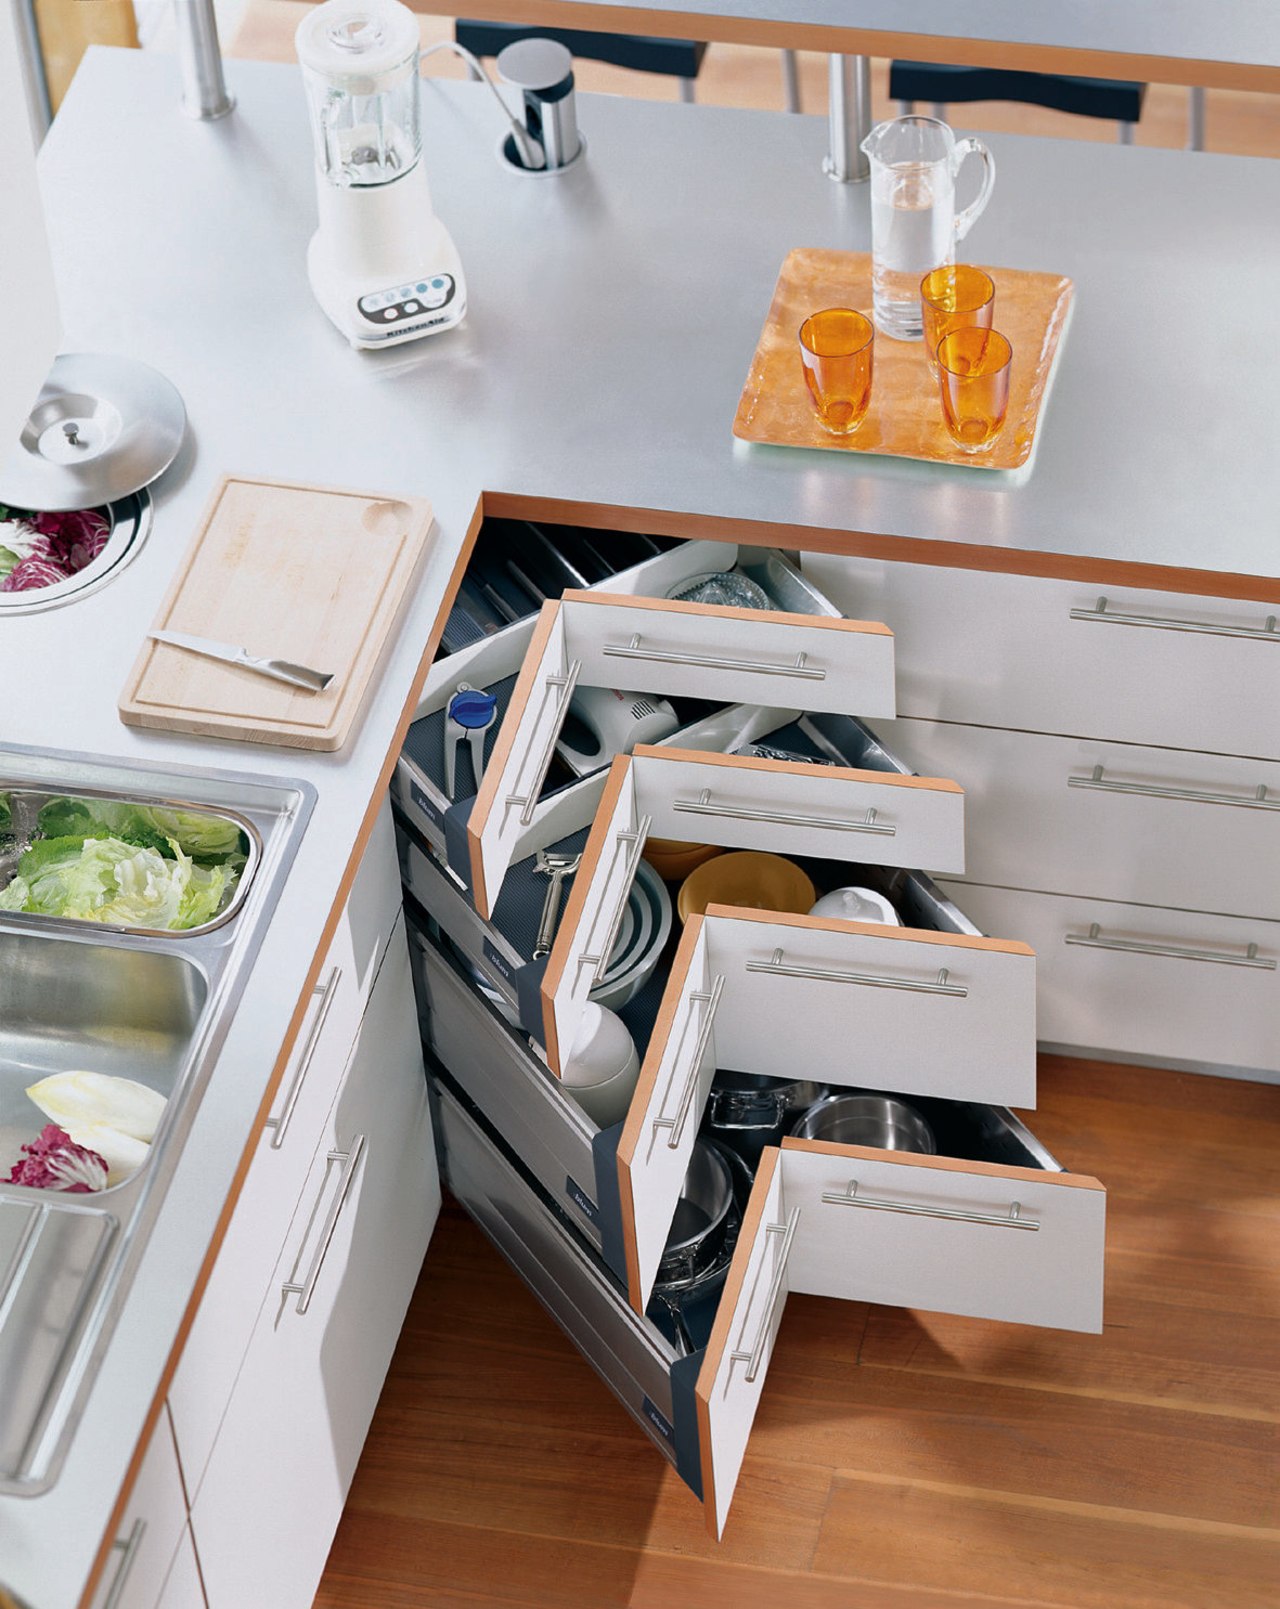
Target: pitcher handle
[(973, 147)]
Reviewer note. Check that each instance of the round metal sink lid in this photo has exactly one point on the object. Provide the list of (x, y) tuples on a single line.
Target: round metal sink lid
[(102, 428)]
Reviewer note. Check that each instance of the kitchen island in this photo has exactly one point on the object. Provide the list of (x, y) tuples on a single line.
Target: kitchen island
[(613, 312)]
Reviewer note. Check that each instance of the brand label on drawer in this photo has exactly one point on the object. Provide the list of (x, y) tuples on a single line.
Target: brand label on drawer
[(424, 804), (659, 1421), (581, 1200), (499, 963)]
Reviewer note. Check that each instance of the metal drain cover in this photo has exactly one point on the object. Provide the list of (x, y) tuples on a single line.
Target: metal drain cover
[(102, 428)]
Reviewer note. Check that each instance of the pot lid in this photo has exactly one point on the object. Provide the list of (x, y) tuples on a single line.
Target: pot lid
[(102, 428)]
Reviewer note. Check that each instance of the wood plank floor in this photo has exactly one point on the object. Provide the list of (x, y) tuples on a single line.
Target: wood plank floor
[(900, 1460)]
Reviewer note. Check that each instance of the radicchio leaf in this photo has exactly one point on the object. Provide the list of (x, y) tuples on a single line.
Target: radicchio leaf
[(53, 1161)]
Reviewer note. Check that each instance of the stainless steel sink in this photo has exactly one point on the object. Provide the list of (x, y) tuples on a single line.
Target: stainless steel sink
[(135, 1004)]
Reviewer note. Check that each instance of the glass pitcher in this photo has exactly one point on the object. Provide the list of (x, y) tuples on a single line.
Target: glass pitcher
[(914, 222)]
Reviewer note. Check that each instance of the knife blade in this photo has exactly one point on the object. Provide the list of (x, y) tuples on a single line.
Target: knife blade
[(280, 670)]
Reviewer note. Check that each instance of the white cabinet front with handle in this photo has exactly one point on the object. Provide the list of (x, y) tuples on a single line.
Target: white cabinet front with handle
[(143, 1551), (325, 1335)]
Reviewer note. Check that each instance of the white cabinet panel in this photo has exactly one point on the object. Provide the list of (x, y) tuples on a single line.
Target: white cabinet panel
[(1171, 986), (149, 1533), (184, 1588), (324, 1338), (1020, 651)]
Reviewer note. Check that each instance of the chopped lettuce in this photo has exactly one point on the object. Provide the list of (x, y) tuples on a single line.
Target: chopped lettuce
[(204, 837), (109, 880)]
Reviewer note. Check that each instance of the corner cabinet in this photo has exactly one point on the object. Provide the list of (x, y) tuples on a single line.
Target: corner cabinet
[(277, 1385)]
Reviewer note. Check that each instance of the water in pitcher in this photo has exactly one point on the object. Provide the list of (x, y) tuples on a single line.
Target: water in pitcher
[(913, 226)]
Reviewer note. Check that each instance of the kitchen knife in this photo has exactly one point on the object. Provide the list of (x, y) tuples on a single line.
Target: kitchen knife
[(280, 670)]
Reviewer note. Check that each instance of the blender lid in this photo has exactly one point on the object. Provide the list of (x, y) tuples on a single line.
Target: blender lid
[(356, 38), (102, 428)]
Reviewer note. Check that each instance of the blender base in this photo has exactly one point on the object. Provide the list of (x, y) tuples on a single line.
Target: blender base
[(391, 312)]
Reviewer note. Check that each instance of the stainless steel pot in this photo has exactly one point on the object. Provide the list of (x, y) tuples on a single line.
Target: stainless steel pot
[(748, 1111), (704, 1214), (875, 1120)]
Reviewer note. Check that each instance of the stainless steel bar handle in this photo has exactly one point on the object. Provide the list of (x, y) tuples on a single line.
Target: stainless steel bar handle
[(325, 992), (305, 1289), (785, 969), (755, 1357), (1259, 800), (635, 842), (1113, 617), (670, 656), (1092, 940), (127, 1547), (1012, 1219), (702, 806), (710, 1000), (204, 89), (528, 801)]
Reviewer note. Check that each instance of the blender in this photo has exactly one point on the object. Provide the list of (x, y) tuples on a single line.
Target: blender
[(381, 264)]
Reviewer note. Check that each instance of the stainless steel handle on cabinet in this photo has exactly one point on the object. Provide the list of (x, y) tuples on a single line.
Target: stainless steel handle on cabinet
[(1112, 617), (1012, 1219), (702, 806), (784, 969), (755, 1357), (1258, 800), (528, 801), (305, 1289), (326, 992), (710, 1000), (634, 840), (127, 1547), (667, 656), (1092, 940)]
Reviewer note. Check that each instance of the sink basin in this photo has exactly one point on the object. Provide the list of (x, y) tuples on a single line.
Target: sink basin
[(132, 1003)]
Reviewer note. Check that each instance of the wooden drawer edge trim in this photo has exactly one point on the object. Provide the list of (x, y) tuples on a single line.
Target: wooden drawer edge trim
[(752, 762), (777, 617), (946, 1164), (871, 930)]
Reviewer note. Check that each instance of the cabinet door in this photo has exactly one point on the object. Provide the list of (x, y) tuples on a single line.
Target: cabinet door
[(184, 1588), (727, 655), (221, 1329), (149, 1534), (324, 1338)]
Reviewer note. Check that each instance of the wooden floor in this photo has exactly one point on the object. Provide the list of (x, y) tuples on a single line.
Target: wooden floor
[(1238, 122), (899, 1460)]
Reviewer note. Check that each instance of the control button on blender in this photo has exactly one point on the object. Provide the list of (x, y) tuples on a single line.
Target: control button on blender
[(389, 313), (422, 288), (412, 307)]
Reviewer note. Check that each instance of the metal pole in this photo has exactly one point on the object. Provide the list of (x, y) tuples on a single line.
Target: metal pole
[(31, 66), (1195, 120), (849, 118), (204, 90)]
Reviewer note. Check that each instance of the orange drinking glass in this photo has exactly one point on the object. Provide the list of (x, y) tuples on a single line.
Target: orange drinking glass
[(837, 347), (973, 379), (956, 296)]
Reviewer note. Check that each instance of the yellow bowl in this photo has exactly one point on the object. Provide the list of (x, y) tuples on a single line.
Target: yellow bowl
[(673, 859), (748, 878)]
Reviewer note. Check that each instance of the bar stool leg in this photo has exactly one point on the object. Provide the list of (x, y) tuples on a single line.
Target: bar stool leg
[(687, 88), (905, 108), (1124, 132), (940, 111), (1195, 120), (790, 81)]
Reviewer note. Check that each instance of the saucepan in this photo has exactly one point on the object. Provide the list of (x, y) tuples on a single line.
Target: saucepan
[(748, 1111), (875, 1120)]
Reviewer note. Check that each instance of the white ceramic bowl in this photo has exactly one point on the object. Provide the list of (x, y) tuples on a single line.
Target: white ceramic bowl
[(649, 895), (603, 1065), (857, 905)]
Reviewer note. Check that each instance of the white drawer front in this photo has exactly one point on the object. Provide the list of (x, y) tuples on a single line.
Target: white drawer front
[(139, 1561), (1166, 985), (1020, 651), (973, 1238), (736, 1361), (1110, 820)]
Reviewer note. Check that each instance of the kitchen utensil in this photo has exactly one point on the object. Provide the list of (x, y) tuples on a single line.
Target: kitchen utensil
[(906, 422), (837, 356), (857, 905), (914, 222), (102, 427), (747, 1111), (956, 296), (973, 379), (875, 1120), (319, 574), (603, 1065), (282, 670), (381, 264), (725, 587), (559, 868), (766, 751), (632, 965), (673, 858), (749, 878), (613, 722), (702, 1218), (469, 713)]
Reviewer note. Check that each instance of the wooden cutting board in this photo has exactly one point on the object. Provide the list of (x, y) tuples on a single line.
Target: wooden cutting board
[(305, 573)]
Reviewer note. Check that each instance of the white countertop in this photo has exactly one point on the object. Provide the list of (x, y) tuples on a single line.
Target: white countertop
[(613, 312)]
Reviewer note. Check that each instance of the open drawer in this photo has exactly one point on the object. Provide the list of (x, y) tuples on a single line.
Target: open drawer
[(739, 801), (949, 1015), (713, 652), (952, 1236)]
